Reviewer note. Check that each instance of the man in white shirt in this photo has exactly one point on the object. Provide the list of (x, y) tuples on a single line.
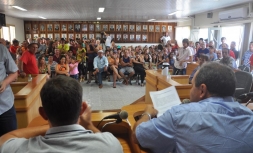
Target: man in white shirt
[(108, 40), (184, 55), (100, 65), (165, 38), (69, 128)]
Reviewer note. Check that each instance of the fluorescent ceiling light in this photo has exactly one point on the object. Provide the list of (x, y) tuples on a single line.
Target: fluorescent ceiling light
[(19, 8), (98, 18), (174, 12), (42, 17), (151, 19), (101, 9)]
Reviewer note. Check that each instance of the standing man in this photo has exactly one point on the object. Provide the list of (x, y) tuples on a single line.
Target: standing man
[(100, 65), (108, 40), (8, 73), (165, 38), (232, 48), (28, 63), (212, 122), (184, 55), (202, 49), (223, 42), (247, 55)]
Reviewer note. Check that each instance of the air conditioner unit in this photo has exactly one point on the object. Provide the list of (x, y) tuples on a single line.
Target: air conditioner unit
[(238, 13)]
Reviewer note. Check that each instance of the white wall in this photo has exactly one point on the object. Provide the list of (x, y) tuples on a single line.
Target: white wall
[(19, 27), (201, 19), (184, 23)]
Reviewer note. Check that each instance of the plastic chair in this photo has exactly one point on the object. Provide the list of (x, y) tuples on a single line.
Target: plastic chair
[(243, 82)]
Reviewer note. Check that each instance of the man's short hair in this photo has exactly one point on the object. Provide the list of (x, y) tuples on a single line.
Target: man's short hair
[(204, 57), (201, 39), (62, 99), (186, 41), (219, 79), (31, 44), (222, 38)]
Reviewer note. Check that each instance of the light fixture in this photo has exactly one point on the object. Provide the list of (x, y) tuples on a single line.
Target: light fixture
[(19, 8), (42, 17), (151, 19), (101, 9), (174, 12), (98, 18)]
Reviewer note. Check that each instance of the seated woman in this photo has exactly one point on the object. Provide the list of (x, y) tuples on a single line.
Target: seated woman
[(62, 68), (147, 60), (113, 61), (138, 62), (42, 66), (154, 61), (160, 60), (171, 60), (51, 65)]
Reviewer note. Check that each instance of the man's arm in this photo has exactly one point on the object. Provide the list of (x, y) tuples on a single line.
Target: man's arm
[(149, 112), (95, 64), (85, 120), (24, 133)]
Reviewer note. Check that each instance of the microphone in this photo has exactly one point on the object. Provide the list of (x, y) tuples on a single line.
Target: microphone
[(119, 116), (243, 96), (186, 101)]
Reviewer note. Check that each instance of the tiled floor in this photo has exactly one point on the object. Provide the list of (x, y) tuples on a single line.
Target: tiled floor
[(108, 98)]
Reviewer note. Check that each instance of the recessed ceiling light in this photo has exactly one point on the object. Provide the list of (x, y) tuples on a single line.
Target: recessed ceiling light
[(174, 12), (101, 9), (19, 8), (42, 17), (151, 19), (98, 18)]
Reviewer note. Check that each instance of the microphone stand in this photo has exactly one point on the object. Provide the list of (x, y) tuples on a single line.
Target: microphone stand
[(250, 100), (114, 122)]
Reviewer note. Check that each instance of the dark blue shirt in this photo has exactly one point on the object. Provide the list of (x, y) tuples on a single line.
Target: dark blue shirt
[(202, 51)]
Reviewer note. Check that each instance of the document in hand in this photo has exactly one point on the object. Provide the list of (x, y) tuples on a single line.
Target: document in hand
[(164, 99)]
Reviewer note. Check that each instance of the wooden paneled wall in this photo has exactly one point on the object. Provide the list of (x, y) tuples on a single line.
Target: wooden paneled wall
[(122, 32)]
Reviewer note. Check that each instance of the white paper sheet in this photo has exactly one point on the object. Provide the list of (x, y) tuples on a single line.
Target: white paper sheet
[(164, 99)]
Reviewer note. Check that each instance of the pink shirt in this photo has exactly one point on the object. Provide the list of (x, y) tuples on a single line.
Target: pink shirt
[(75, 70)]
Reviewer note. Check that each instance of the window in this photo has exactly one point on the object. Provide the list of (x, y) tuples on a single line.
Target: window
[(233, 33), (8, 33), (181, 33)]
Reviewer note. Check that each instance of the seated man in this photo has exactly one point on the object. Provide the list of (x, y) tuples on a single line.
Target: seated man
[(227, 59), (212, 122), (126, 66), (202, 59), (100, 64), (62, 106)]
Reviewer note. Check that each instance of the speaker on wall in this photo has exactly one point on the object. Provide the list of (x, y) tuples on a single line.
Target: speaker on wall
[(2, 20), (210, 15)]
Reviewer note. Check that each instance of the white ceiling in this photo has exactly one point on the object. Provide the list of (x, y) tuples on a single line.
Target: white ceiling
[(115, 10)]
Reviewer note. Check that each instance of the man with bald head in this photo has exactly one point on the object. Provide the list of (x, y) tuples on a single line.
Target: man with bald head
[(212, 122)]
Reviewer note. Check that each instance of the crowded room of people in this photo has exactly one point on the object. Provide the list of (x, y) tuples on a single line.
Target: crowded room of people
[(115, 76)]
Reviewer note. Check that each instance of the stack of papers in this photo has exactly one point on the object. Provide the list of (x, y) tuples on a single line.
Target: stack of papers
[(164, 99)]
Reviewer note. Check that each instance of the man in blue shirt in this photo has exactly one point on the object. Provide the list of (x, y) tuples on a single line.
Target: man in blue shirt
[(212, 122), (202, 49), (100, 65)]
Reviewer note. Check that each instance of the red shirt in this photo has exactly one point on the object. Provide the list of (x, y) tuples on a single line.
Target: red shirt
[(232, 54), (13, 49), (251, 60), (29, 63)]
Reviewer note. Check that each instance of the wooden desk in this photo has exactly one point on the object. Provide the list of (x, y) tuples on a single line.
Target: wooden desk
[(191, 67), (183, 90), (156, 81), (27, 98)]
